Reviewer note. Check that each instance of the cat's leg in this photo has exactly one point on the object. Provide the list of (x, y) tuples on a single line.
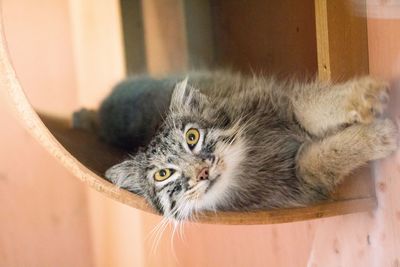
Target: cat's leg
[(324, 163), (322, 107)]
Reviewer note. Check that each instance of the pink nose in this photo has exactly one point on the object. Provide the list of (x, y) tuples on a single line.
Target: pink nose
[(203, 174)]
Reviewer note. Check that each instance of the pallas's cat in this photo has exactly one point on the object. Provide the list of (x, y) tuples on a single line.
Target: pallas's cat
[(235, 143)]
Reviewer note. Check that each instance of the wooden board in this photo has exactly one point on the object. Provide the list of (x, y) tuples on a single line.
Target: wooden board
[(133, 33), (341, 39), (178, 35), (275, 37), (354, 195)]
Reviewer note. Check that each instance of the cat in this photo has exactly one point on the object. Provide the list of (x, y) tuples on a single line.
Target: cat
[(230, 142)]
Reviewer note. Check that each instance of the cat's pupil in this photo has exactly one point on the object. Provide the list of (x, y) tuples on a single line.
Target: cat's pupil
[(163, 173), (192, 137)]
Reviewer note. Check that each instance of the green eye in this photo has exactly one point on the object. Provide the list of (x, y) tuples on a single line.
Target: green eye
[(163, 174), (192, 137)]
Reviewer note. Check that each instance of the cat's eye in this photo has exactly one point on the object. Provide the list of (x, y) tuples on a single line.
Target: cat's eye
[(192, 137), (163, 174)]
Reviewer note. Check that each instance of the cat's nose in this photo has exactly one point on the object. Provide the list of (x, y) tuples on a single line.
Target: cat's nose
[(203, 174)]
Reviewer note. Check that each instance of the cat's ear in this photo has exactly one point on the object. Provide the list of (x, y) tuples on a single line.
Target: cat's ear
[(187, 98), (126, 175)]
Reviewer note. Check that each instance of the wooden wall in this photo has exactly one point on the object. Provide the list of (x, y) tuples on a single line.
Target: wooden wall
[(275, 37)]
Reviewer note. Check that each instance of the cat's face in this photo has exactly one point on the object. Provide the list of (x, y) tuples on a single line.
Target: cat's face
[(191, 163)]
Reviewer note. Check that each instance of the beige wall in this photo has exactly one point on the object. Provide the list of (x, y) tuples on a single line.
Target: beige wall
[(43, 210)]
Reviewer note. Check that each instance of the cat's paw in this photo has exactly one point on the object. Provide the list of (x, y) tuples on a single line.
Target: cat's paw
[(384, 138), (368, 99)]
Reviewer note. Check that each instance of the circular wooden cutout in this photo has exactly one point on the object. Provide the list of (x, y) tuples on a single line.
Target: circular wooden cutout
[(64, 143)]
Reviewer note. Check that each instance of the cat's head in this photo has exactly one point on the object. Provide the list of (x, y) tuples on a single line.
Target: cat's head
[(191, 164)]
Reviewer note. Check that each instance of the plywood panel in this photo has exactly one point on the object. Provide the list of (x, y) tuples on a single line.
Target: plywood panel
[(165, 38), (178, 35), (355, 194), (133, 35), (341, 39), (270, 36), (98, 45), (199, 34)]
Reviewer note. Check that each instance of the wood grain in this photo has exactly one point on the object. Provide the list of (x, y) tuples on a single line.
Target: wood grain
[(342, 44), (133, 34), (275, 37)]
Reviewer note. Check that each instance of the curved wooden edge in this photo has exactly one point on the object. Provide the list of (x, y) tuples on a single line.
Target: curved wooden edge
[(355, 194), (329, 209), (30, 120), (10, 85)]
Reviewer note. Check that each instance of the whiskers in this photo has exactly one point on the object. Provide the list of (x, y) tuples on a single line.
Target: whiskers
[(176, 219), (156, 234)]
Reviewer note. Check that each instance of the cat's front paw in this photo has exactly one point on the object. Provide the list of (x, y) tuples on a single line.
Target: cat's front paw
[(368, 99)]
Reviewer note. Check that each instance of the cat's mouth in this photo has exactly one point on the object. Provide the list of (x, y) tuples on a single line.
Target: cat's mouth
[(210, 175), (211, 182)]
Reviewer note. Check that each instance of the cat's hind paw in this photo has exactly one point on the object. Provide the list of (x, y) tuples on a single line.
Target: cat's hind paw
[(384, 138), (368, 99)]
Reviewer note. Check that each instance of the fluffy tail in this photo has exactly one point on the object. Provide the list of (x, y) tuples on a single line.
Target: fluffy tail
[(85, 119)]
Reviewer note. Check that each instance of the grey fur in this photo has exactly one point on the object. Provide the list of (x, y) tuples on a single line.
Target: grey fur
[(267, 144), (127, 118)]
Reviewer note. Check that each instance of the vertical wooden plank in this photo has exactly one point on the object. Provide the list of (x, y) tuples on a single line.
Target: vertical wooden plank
[(165, 36), (133, 35), (342, 43), (321, 25), (98, 46), (199, 33), (178, 35)]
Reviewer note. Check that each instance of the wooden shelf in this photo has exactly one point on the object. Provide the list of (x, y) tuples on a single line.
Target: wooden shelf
[(354, 195), (87, 157)]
